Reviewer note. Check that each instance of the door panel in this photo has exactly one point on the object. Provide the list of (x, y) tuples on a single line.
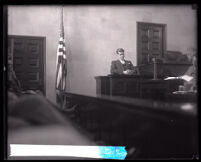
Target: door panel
[(29, 61), (156, 43), (150, 42)]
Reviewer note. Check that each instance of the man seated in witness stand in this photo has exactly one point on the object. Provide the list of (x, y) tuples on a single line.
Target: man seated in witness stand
[(122, 66)]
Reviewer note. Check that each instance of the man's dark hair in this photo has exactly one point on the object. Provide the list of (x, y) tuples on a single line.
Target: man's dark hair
[(119, 50)]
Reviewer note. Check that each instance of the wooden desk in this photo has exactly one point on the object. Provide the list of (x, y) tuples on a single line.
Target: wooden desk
[(135, 86)]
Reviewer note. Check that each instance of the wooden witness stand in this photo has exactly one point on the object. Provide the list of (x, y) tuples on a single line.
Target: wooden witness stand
[(136, 86), (149, 84)]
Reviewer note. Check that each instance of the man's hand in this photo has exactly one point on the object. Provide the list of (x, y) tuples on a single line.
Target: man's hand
[(125, 72), (128, 72)]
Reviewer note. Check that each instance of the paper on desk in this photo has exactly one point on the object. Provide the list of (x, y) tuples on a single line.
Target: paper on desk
[(184, 77), (168, 78)]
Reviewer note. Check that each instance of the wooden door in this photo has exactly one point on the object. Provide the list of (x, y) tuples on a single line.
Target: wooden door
[(29, 61), (150, 42)]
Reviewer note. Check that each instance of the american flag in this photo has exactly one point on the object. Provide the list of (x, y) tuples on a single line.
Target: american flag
[(61, 63)]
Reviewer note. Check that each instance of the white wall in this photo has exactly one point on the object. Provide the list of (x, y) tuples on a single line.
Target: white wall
[(93, 33)]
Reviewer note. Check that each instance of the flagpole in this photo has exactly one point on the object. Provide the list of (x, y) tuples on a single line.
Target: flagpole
[(61, 27), (63, 63), (64, 60), (62, 35)]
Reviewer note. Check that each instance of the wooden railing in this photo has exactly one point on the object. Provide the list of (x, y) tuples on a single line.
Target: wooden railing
[(155, 129)]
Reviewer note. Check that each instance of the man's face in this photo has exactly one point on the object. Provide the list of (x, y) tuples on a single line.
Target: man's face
[(121, 55)]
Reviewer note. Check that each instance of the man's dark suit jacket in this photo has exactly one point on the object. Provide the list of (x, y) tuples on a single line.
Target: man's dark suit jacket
[(117, 67)]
